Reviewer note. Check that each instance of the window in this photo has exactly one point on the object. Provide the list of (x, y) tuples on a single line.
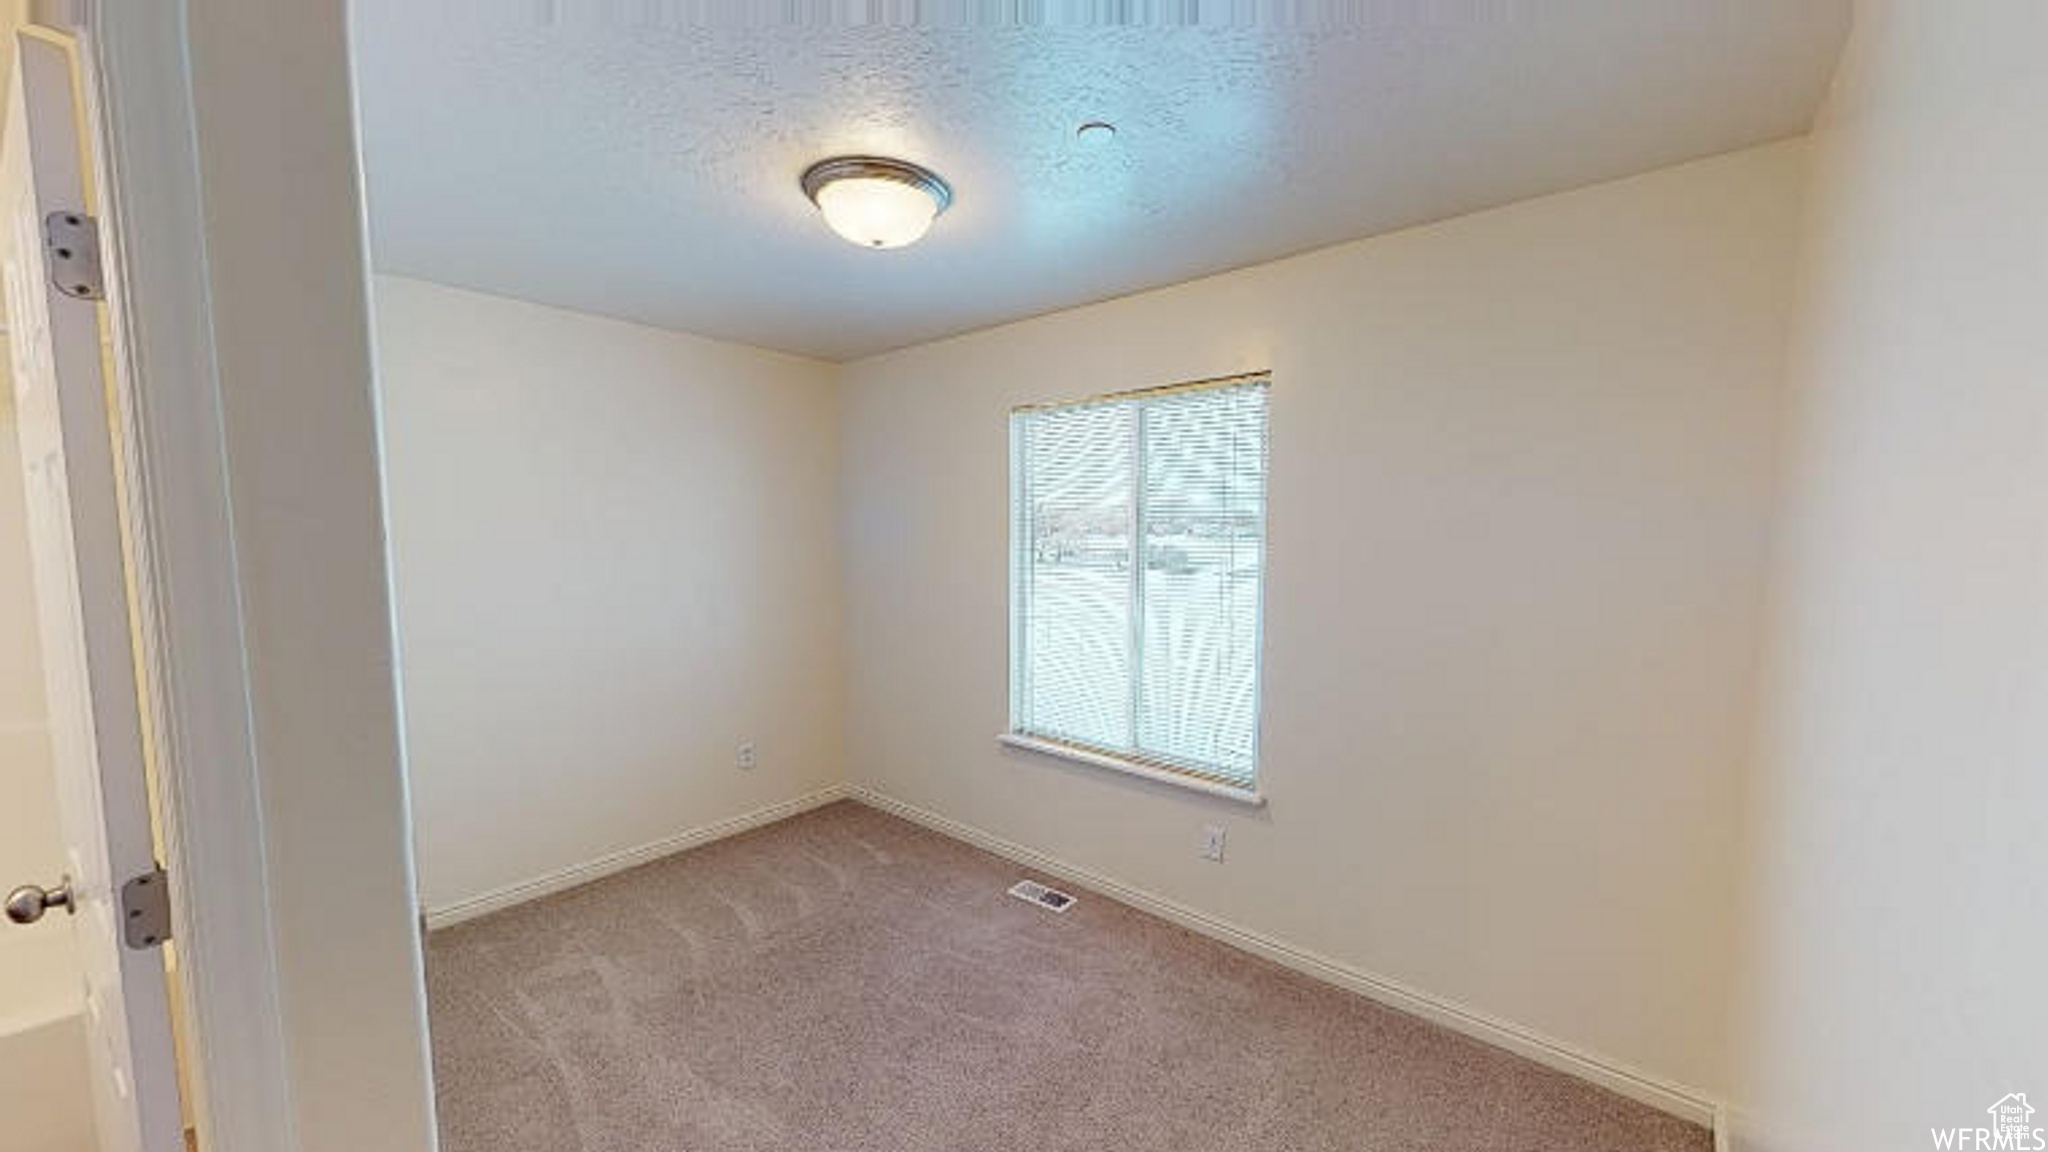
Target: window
[(1138, 536)]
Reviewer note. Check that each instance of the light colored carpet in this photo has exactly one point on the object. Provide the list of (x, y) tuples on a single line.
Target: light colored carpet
[(847, 981)]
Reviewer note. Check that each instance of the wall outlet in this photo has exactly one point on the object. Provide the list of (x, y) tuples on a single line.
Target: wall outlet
[(743, 759), (1212, 843)]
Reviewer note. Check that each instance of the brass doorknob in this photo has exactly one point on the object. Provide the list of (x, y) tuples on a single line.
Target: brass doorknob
[(26, 904)]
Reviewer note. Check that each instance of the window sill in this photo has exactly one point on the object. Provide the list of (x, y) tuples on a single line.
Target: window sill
[(1130, 767)]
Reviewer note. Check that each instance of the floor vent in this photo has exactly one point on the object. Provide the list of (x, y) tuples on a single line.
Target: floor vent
[(1034, 893)]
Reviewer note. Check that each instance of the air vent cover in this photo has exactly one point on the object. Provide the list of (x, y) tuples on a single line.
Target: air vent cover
[(1032, 892)]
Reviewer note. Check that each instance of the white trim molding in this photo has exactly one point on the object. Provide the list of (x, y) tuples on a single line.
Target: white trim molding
[(168, 404), (1679, 1100), (1024, 742), (512, 895)]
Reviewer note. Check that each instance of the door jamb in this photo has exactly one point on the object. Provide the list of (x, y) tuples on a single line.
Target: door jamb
[(167, 402)]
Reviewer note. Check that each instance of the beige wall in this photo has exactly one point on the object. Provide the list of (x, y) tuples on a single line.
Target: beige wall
[(1898, 916), (1521, 483), (616, 559)]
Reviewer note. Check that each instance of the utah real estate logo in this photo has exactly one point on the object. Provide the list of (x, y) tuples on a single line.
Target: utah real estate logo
[(2012, 1130)]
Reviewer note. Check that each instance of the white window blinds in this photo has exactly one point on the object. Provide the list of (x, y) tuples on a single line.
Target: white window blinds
[(1139, 542)]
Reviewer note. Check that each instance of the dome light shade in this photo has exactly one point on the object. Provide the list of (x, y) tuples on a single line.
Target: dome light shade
[(874, 201)]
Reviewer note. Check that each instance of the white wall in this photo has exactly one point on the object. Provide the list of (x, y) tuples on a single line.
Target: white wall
[(1521, 481), (1898, 916), (616, 558)]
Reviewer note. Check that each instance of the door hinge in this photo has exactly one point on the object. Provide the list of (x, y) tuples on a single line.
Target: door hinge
[(71, 249), (146, 910)]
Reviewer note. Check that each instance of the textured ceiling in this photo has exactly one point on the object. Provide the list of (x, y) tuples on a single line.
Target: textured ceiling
[(640, 160)]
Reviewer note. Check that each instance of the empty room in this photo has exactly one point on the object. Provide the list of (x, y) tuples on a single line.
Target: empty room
[(1156, 577)]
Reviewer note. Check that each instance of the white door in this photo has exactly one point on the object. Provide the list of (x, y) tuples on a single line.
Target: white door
[(89, 649)]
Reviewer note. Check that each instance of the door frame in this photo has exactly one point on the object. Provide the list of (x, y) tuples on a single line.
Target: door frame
[(256, 1085), (167, 405)]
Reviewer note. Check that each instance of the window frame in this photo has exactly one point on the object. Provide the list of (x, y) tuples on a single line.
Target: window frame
[(1207, 780)]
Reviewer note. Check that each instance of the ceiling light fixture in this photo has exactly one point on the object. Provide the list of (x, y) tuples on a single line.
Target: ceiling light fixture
[(874, 201)]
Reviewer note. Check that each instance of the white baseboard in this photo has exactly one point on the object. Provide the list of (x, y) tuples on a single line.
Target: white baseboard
[(1679, 1100), (1739, 1129), (598, 869)]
